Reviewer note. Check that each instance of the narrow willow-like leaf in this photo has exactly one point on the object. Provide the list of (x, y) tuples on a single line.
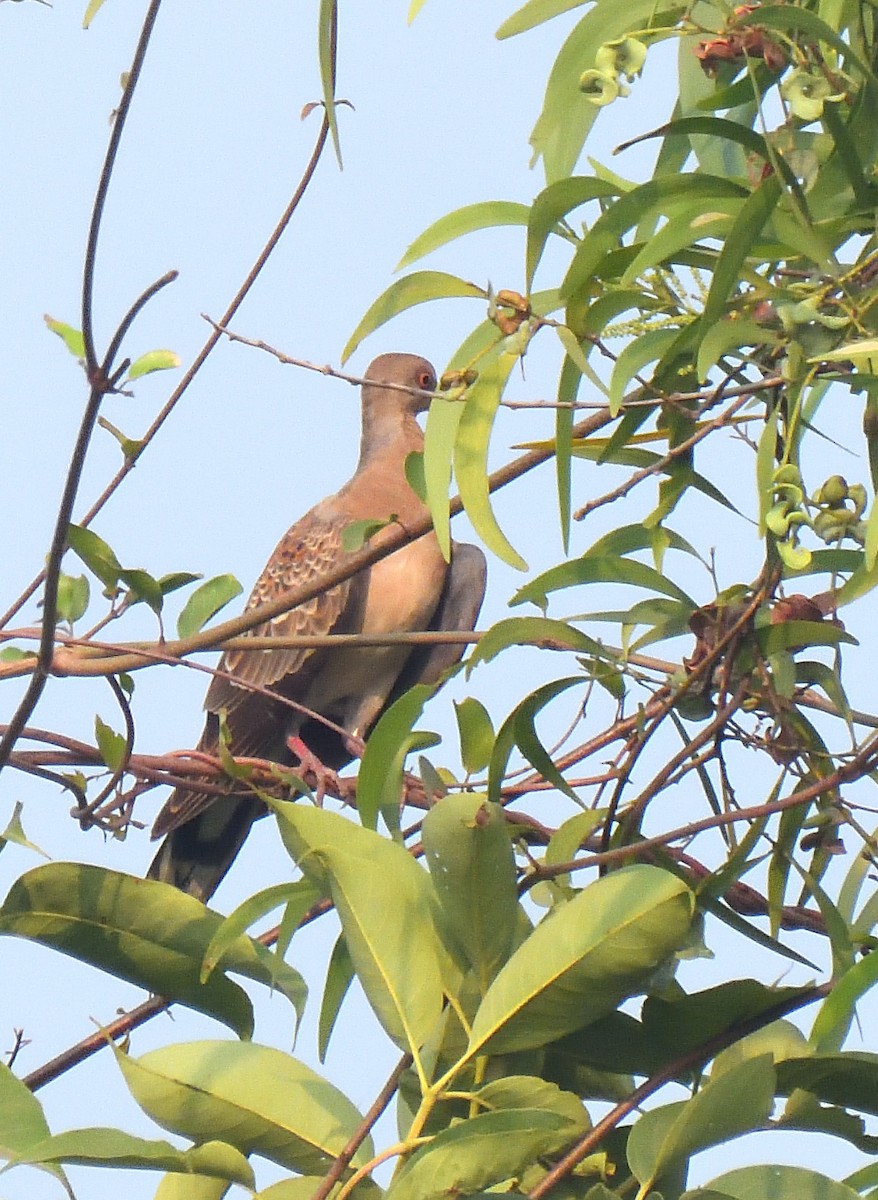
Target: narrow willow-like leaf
[(534, 13), (326, 21), (649, 347), (744, 232), (552, 205), (630, 209), (406, 293), (339, 977), (530, 631), (518, 730), (487, 214), (583, 960), (598, 568), (471, 457)]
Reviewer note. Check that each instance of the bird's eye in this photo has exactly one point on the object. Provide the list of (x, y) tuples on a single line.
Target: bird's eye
[(426, 381)]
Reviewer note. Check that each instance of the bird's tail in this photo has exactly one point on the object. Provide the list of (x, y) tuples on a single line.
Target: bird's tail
[(195, 856)]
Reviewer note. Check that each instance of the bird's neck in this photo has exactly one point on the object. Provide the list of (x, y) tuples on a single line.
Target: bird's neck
[(391, 439)]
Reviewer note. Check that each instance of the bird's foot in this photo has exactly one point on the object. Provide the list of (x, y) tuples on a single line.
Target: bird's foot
[(310, 766)]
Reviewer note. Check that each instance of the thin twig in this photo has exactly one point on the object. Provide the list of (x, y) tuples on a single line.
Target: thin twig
[(343, 1161), (681, 1066)]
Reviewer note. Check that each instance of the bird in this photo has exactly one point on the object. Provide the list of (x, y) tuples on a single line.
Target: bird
[(412, 589)]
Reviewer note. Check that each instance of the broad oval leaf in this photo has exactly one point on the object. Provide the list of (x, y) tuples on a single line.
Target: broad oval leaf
[(108, 1147), (146, 932), (95, 553), (775, 1182), (385, 903), (480, 1152), (584, 959), (469, 853), (205, 602), (257, 1098), (739, 1101), (153, 360)]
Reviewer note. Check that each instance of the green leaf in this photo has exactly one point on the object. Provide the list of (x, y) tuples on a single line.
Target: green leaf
[(839, 1008), (95, 554), (649, 347), (469, 853), (14, 833), (327, 17), (569, 837), (480, 1152), (597, 568), (339, 977), (659, 195), (530, 631), (142, 588), (847, 1079), (12, 654), (22, 1121), (406, 293), (153, 360), (72, 338), (379, 784), (112, 745), (146, 932), (91, 11), (552, 205), (567, 115), (355, 535), (130, 447), (518, 730), (476, 734), (104, 1147), (487, 214), (583, 960), (471, 456), (746, 229), (774, 1183), (205, 602), (297, 898), (534, 13), (258, 1099), (385, 903), (739, 1101), (73, 596), (790, 634)]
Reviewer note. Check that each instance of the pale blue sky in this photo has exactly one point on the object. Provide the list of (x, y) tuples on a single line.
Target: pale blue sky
[(213, 147)]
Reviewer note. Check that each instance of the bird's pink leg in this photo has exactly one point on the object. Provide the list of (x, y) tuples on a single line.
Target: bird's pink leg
[(310, 764)]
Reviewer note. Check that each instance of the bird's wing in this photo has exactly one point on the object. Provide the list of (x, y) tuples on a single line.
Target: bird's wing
[(304, 555), (257, 725), (458, 608)]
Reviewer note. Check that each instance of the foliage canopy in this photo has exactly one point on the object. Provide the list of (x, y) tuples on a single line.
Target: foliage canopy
[(708, 321)]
